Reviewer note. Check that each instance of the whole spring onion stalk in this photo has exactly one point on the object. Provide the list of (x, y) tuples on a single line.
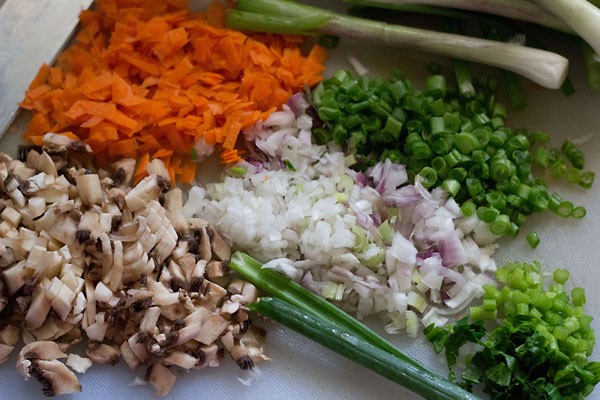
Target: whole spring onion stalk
[(429, 386), (514, 9), (282, 16), (582, 16), (285, 289), (316, 318)]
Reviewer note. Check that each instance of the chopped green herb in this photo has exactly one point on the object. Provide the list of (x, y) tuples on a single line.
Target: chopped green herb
[(289, 165), (533, 239), (237, 171), (539, 348)]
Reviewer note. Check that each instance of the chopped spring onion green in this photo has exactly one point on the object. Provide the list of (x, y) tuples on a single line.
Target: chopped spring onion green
[(578, 212), (333, 291), (237, 171), (386, 231), (586, 179), (463, 78), (289, 165), (538, 349), (449, 141), (533, 239)]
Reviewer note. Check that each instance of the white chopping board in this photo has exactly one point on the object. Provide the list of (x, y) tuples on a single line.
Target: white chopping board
[(300, 369)]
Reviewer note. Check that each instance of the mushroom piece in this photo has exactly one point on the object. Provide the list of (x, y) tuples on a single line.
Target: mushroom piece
[(205, 247), (217, 272), (213, 326), (45, 164), (55, 377), (55, 140), (161, 378), (3, 295), (15, 277), (218, 245), (21, 171), (157, 167), (5, 351), (181, 359), (12, 216), (102, 353), (40, 360), (237, 350), (90, 189), (9, 335), (243, 291), (7, 257), (174, 207), (138, 347), (129, 356), (82, 251), (123, 172), (253, 339), (78, 364), (229, 308), (208, 356), (212, 294), (39, 308), (147, 190)]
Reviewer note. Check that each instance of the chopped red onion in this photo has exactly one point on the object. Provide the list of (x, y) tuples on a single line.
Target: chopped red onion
[(431, 264), (388, 176), (403, 197), (298, 104), (319, 224), (426, 253), (464, 297), (453, 275), (452, 251), (361, 179)]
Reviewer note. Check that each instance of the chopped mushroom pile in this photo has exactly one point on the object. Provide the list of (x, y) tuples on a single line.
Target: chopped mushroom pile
[(83, 256)]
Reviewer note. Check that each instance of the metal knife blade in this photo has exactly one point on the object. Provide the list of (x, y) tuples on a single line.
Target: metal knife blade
[(32, 32)]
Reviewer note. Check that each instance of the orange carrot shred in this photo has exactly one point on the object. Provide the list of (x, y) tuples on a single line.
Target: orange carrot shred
[(148, 78), (231, 156), (124, 148), (162, 153), (56, 77), (41, 77), (140, 170), (187, 172)]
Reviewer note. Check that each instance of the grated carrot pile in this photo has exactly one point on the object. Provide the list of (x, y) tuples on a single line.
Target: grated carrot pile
[(147, 79)]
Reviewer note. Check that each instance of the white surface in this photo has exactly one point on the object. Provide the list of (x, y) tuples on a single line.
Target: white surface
[(302, 370)]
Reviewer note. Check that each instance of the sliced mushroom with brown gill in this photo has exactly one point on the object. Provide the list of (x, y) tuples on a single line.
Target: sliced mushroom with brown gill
[(84, 255)]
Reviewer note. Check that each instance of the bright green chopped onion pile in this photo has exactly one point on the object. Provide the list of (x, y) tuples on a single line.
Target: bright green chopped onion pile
[(453, 138), (539, 346)]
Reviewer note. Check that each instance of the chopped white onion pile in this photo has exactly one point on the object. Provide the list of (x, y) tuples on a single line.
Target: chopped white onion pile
[(371, 242)]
